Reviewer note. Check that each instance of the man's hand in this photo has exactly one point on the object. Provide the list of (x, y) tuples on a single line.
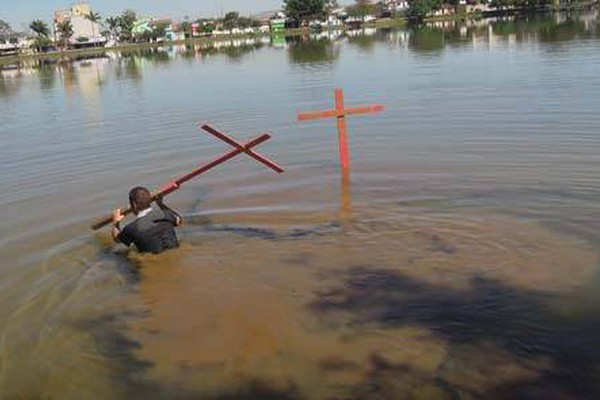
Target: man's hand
[(117, 216)]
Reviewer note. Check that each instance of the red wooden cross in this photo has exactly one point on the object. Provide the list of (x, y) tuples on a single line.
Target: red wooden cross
[(340, 113), (242, 148), (238, 148)]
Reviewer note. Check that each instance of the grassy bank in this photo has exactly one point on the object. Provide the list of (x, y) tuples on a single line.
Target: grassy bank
[(128, 47), (132, 47), (207, 41)]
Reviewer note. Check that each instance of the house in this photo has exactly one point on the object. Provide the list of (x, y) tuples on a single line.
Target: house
[(9, 49), (394, 6), (86, 33), (146, 28), (277, 24), (354, 22), (317, 24), (445, 9), (333, 21), (339, 13), (141, 26), (221, 32), (174, 33), (10, 43), (479, 7)]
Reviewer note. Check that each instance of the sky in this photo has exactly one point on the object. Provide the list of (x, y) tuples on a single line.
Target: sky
[(20, 13)]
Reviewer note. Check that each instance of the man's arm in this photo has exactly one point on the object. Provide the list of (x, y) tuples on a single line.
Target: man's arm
[(160, 202), (116, 230)]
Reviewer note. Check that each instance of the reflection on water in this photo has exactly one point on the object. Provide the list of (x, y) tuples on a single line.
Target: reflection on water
[(325, 46), (459, 260), (309, 51)]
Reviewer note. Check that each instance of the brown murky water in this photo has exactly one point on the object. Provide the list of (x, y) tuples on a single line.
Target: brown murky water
[(324, 314), (459, 260)]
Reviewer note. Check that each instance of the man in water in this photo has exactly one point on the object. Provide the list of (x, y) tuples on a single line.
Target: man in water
[(153, 229)]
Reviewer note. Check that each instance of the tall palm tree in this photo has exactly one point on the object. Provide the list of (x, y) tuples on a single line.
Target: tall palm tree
[(5, 30), (65, 29), (42, 32), (93, 18), (113, 24), (39, 27)]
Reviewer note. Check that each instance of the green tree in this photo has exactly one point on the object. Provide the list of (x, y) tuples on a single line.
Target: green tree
[(159, 30), (39, 27), (93, 18), (41, 30), (5, 31), (65, 30), (208, 27), (246, 22), (303, 10), (418, 9), (126, 20), (113, 25), (362, 8), (231, 20), (186, 27)]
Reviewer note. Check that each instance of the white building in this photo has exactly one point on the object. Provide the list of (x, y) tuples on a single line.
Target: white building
[(7, 48), (85, 32), (396, 5)]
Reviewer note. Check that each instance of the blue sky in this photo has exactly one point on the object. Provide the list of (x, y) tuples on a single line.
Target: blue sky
[(19, 12)]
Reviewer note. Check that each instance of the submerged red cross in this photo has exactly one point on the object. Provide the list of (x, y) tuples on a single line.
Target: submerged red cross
[(340, 113)]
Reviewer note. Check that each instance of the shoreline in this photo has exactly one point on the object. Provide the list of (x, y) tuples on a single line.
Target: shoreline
[(378, 24), (55, 55)]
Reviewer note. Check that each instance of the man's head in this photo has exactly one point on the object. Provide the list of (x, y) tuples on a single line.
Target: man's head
[(139, 199)]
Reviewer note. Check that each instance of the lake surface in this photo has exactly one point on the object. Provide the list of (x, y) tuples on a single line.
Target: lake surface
[(459, 260)]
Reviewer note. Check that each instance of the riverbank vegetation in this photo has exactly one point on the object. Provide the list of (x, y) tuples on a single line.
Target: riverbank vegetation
[(127, 30)]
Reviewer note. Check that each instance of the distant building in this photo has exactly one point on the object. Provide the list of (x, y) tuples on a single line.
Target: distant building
[(174, 32), (445, 9), (277, 24), (333, 21), (8, 49), (85, 32), (393, 6), (141, 26), (11, 43), (146, 28)]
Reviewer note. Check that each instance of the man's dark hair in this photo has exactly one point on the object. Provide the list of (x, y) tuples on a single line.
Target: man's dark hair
[(140, 198)]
